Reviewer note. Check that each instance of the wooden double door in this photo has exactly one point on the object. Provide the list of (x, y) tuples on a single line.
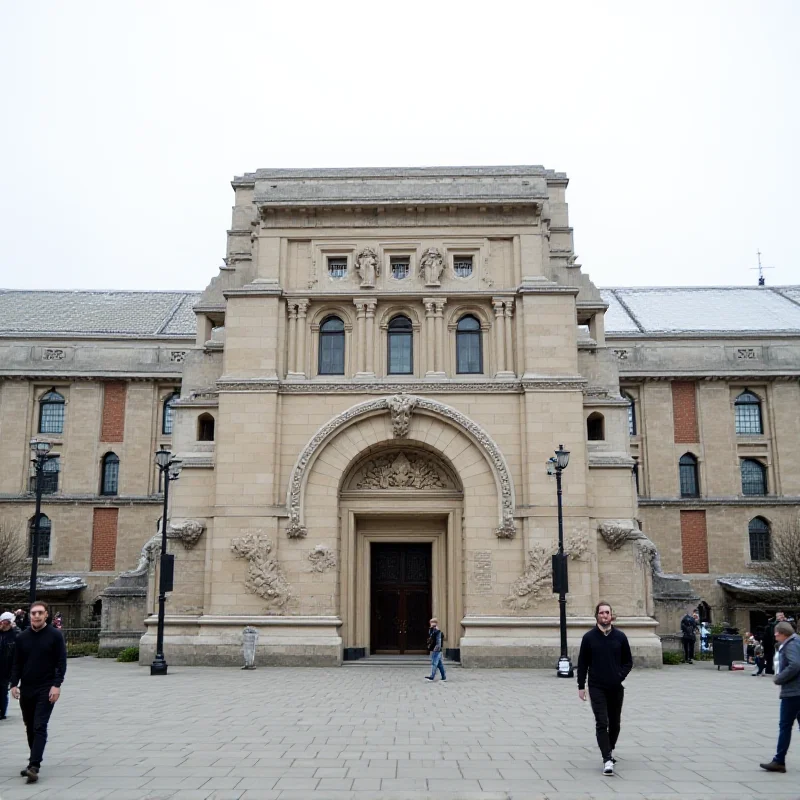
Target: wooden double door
[(400, 597)]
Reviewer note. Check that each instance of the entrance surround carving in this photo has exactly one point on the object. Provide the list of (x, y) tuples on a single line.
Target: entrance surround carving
[(294, 501)]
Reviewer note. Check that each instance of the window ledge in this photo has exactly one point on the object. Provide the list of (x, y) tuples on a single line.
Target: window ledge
[(40, 560)]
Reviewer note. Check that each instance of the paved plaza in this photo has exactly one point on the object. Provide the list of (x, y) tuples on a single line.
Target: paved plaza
[(385, 732)]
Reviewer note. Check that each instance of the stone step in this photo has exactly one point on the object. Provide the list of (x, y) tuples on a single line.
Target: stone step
[(397, 661)]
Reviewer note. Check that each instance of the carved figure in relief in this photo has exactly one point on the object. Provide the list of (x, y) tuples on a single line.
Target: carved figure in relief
[(401, 471), (401, 406), (188, 532), (431, 265), (265, 577), (368, 267), (322, 558)]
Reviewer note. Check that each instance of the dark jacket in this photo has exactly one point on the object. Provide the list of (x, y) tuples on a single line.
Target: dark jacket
[(689, 626), (788, 677), (606, 657), (769, 639), (41, 659), (8, 641), (435, 640)]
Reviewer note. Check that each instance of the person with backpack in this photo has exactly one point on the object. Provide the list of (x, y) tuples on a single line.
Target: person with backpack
[(689, 626), (435, 644)]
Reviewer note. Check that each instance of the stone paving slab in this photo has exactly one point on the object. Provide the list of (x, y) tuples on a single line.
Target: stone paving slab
[(384, 732)]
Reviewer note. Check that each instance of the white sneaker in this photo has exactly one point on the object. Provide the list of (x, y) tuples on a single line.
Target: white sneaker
[(608, 768)]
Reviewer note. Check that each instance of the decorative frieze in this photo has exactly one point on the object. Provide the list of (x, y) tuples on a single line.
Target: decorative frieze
[(404, 470)]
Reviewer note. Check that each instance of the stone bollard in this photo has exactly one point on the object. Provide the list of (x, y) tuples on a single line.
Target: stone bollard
[(249, 641)]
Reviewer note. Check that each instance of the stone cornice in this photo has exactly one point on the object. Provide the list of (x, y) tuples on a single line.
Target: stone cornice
[(248, 385), (381, 386), (701, 502), (602, 461), (197, 462), (729, 375), (62, 375), (85, 499), (255, 289), (553, 383), (737, 335)]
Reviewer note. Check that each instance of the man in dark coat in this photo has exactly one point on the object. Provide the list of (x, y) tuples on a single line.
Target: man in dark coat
[(8, 639), (769, 642), (689, 625)]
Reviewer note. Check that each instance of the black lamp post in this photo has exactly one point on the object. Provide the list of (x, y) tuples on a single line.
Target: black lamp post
[(40, 450), (555, 466), (170, 469)]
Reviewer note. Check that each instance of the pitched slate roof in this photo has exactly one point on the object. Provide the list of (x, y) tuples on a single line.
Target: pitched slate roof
[(135, 314)]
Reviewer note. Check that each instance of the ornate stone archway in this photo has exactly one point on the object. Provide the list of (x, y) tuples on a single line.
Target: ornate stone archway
[(401, 407)]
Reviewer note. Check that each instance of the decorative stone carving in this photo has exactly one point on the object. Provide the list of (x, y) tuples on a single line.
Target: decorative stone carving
[(402, 471), (265, 577), (188, 532), (401, 406), (150, 550), (53, 354), (177, 356), (431, 265), (616, 532), (368, 267), (506, 528), (322, 558)]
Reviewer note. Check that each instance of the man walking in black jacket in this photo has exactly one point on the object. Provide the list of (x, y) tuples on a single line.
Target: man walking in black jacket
[(8, 638), (606, 656), (689, 625), (39, 667)]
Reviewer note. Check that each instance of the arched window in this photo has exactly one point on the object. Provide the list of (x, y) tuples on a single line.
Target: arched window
[(331, 347), (205, 428), (754, 477), (704, 611), (687, 468), (760, 540), (109, 479), (168, 416), (748, 414), (595, 427), (631, 413), (51, 412), (50, 470), (400, 347), (469, 351), (44, 535)]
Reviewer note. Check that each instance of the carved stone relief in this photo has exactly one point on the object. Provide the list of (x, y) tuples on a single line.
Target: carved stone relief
[(618, 531), (322, 558), (368, 267), (405, 470), (265, 577), (188, 532), (430, 266), (401, 406)]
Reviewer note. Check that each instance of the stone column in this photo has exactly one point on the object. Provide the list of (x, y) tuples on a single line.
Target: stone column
[(292, 306), (360, 337), (430, 311), (370, 305), (499, 336), (438, 354), (509, 311), (302, 308)]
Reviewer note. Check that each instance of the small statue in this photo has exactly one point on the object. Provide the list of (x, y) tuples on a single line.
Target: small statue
[(249, 642), (368, 267), (431, 265)]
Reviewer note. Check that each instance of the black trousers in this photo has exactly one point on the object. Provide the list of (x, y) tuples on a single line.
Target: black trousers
[(36, 709), (688, 649), (607, 708)]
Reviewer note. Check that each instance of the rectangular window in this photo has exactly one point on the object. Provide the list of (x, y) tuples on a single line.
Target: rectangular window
[(49, 476), (469, 353), (337, 266), (400, 362), (400, 266), (462, 266)]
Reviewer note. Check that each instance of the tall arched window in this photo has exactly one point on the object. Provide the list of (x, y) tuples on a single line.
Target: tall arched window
[(50, 470), (400, 357), (747, 409), (51, 412), (331, 347), (205, 428), (109, 479), (754, 477), (760, 540), (595, 427), (168, 416), (45, 528), (631, 413), (687, 468), (469, 350)]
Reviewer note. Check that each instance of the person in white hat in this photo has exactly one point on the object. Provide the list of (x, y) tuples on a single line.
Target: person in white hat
[(8, 640)]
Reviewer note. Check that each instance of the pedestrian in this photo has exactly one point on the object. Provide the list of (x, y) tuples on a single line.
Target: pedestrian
[(21, 619), (769, 645), (57, 623), (39, 668), (605, 656), (689, 626), (758, 652), (435, 643), (788, 678), (750, 648), (8, 638)]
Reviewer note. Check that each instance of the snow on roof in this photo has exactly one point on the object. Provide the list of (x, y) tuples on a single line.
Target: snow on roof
[(48, 583)]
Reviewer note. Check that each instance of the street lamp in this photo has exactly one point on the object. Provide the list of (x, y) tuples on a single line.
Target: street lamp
[(555, 466), (40, 450), (170, 469)]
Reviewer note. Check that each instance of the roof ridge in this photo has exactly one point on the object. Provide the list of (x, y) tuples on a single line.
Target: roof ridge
[(171, 314), (628, 311)]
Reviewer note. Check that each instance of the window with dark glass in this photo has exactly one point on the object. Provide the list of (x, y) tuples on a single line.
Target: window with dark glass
[(400, 266), (687, 467), (400, 355), (462, 266), (205, 428), (331, 347), (51, 413), (754, 477), (469, 353), (49, 476), (337, 266), (747, 409), (44, 536), (760, 540), (636, 474), (595, 427), (168, 417), (109, 480), (631, 414)]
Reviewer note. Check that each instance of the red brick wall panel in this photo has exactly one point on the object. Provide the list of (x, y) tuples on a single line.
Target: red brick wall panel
[(104, 539), (694, 541), (684, 412), (113, 425)]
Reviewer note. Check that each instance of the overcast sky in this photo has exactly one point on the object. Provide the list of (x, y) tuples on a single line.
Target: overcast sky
[(124, 122)]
